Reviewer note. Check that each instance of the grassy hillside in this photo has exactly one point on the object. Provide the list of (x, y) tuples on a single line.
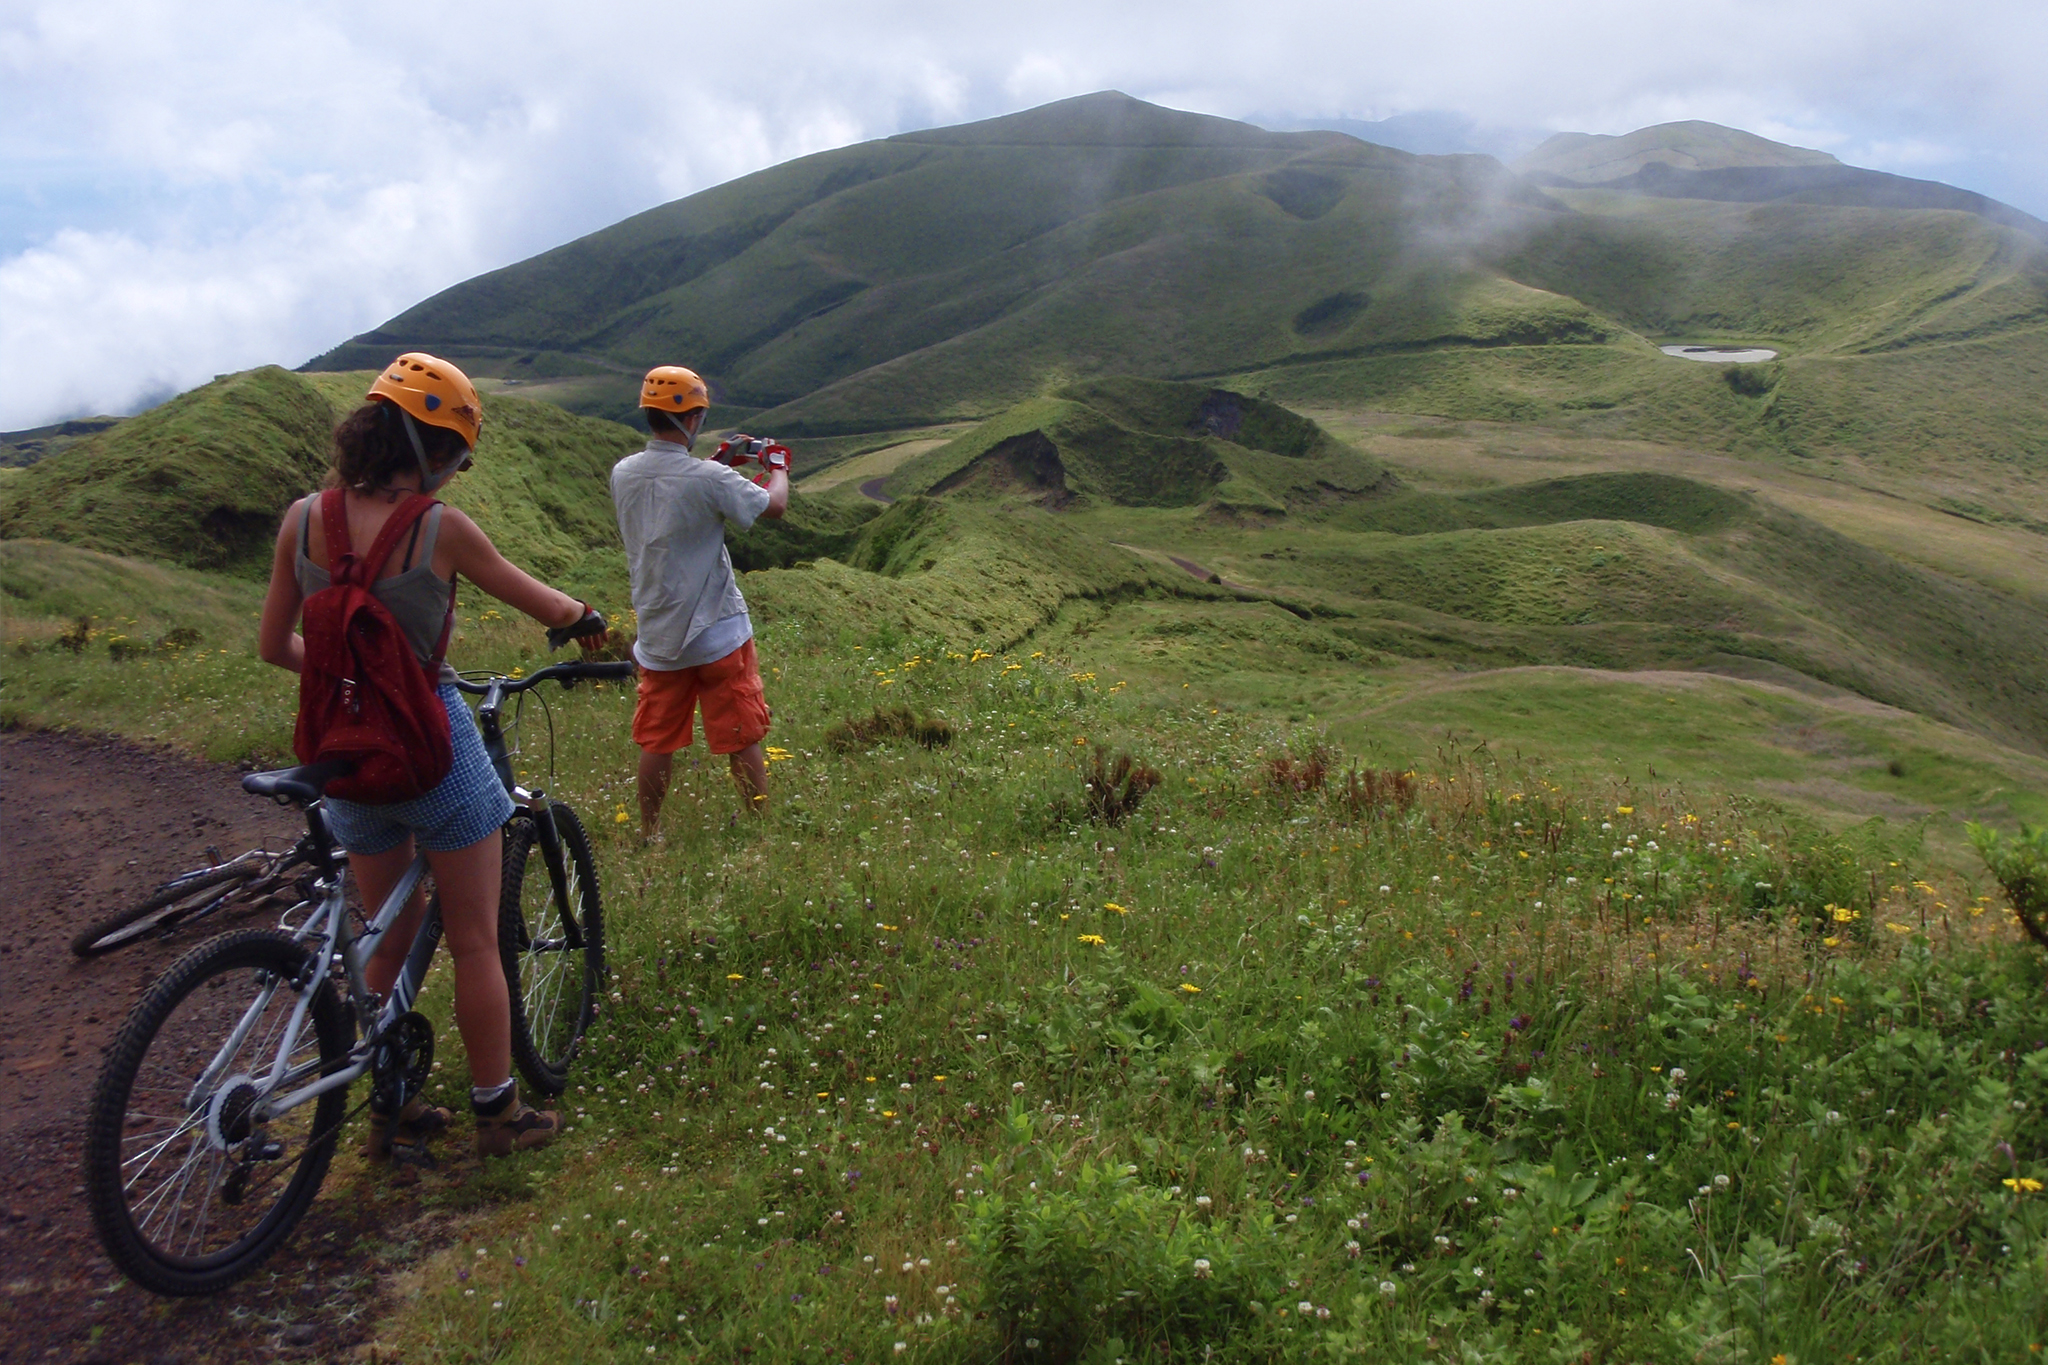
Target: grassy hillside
[(202, 480), (935, 1059), (198, 481), (1145, 443), (1693, 145), (957, 271), (945, 276)]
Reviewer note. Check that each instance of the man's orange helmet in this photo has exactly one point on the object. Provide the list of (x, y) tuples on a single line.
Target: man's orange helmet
[(433, 391), (673, 389)]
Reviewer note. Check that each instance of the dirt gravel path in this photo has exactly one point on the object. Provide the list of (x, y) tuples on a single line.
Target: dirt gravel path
[(84, 822)]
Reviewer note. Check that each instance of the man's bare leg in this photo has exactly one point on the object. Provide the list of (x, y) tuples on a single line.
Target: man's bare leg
[(654, 775), (750, 776)]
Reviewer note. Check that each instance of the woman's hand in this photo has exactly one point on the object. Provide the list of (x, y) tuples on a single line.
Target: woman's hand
[(587, 630)]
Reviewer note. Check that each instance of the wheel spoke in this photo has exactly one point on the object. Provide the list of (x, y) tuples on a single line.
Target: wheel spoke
[(191, 1185)]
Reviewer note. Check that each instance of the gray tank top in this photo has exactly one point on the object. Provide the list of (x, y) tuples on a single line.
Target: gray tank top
[(416, 597)]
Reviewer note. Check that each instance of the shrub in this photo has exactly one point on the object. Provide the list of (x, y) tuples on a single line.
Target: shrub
[(1113, 790), (861, 732), (75, 638), (1091, 1262)]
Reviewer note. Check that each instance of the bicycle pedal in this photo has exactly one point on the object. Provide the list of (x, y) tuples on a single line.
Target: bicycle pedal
[(413, 1154)]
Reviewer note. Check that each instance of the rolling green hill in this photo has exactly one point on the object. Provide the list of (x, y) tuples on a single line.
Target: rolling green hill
[(1145, 443), (947, 275), (1693, 145), (202, 480)]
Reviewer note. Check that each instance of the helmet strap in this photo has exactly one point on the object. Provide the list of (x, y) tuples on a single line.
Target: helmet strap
[(429, 480)]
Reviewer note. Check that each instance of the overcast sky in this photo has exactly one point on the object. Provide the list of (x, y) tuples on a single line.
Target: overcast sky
[(187, 189)]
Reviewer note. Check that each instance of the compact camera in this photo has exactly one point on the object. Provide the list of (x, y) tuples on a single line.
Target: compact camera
[(743, 449)]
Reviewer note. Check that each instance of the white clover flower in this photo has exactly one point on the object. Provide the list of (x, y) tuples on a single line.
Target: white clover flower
[(1201, 1269), (1387, 1288)]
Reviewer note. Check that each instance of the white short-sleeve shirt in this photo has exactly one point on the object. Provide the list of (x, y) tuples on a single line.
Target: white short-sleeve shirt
[(672, 509)]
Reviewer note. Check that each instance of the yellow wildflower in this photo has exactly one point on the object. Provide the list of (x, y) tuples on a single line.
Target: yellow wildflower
[(1190, 988), (1096, 939)]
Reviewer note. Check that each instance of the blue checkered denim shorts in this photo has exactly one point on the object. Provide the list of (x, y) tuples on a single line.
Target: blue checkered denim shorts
[(469, 803)]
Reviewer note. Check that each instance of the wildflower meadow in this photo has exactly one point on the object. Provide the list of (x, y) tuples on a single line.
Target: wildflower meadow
[(1293, 1055)]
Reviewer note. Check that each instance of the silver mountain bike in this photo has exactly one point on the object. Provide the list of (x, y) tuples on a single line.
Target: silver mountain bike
[(222, 1098)]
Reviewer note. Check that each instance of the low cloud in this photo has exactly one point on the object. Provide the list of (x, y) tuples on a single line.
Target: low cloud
[(194, 189)]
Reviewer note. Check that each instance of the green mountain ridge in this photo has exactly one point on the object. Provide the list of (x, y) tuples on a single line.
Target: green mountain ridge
[(1693, 145), (945, 275)]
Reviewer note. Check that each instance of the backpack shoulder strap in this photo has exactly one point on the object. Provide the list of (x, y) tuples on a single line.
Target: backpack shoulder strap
[(402, 519), (341, 559)]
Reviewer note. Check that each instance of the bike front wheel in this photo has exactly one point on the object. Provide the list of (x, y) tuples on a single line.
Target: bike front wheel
[(192, 1184), (551, 937)]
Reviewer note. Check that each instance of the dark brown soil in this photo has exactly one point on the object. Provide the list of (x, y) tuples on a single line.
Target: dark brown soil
[(84, 824)]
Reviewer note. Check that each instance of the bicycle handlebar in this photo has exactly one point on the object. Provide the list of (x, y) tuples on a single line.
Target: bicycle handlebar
[(567, 674)]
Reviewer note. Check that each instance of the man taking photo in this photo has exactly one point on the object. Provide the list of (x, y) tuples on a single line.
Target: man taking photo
[(696, 642)]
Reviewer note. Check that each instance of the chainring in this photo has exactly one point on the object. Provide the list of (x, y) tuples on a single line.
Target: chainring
[(400, 1062)]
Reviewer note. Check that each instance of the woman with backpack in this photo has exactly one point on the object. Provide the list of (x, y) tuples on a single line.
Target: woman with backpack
[(426, 783)]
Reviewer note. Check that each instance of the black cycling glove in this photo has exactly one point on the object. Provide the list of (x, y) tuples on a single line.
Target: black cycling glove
[(590, 624)]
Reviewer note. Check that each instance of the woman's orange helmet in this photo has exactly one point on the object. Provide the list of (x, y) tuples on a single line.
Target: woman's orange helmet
[(673, 389), (433, 391)]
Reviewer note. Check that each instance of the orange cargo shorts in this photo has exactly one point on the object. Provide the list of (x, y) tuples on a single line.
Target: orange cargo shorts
[(729, 691)]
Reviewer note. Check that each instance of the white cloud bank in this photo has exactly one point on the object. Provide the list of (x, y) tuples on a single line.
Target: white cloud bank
[(188, 189)]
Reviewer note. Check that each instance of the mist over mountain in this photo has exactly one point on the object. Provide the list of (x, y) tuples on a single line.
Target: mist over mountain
[(1426, 132)]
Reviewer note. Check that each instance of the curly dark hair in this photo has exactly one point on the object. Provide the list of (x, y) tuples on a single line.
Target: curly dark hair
[(370, 446)]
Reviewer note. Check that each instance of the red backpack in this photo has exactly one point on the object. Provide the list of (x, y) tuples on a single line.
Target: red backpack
[(362, 693)]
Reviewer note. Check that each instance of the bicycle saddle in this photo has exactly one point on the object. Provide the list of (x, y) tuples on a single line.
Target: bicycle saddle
[(302, 784)]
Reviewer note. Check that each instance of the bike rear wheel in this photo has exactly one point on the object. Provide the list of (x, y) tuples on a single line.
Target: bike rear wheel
[(552, 942), (190, 1188), (164, 906)]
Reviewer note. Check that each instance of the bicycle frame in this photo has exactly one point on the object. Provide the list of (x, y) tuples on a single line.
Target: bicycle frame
[(328, 926)]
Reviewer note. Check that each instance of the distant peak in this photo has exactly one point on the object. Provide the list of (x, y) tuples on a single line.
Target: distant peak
[(1693, 145), (1107, 118)]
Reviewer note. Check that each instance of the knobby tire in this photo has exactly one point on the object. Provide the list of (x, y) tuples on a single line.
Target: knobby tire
[(165, 1198), (553, 990)]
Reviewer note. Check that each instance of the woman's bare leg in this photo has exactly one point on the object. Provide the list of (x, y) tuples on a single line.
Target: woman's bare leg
[(468, 882), (376, 874)]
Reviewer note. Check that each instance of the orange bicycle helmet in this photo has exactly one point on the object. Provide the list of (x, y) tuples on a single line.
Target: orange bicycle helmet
[(433, 391), (674, 390)]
